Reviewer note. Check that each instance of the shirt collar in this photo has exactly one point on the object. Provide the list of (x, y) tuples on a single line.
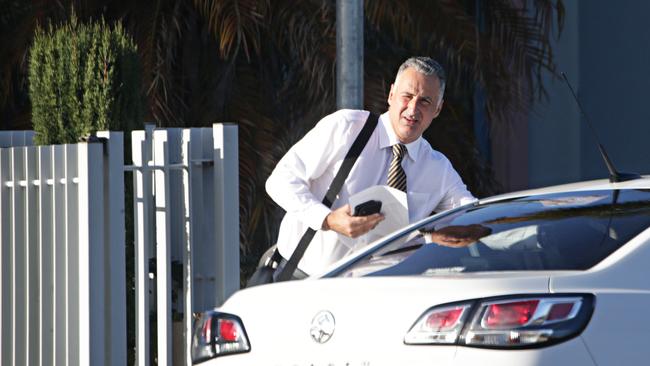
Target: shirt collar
[(388, 138)]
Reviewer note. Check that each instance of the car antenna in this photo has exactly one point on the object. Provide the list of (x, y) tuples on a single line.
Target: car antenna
[(614, 175)]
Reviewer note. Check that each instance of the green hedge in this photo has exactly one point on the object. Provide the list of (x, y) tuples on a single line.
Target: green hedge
[(83, 78)]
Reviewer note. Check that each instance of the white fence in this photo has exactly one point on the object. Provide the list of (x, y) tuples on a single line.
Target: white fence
[(62, 259), (62, 263)]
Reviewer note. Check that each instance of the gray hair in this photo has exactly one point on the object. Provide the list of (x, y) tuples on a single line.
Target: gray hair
[(426, 66)]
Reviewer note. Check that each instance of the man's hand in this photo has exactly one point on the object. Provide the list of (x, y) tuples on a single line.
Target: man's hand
[(342, 221), (458, 236)]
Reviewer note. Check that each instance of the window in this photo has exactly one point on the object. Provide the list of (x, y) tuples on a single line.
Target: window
[(568, 231)]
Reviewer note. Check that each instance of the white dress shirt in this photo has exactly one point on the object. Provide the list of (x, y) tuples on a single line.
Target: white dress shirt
[(301, 179)]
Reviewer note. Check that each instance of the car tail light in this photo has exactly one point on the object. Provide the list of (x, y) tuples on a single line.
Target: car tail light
[(504, 322), (510, 314), (228, 330), (439, 325), (217, 334)]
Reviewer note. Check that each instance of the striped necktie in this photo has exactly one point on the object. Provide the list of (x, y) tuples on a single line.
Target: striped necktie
[(396, 175)]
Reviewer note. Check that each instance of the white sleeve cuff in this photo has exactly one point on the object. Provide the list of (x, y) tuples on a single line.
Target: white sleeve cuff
[(315, 216)]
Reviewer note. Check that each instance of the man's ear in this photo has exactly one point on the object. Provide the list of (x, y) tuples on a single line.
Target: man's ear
[(439, 108), (390, 93)]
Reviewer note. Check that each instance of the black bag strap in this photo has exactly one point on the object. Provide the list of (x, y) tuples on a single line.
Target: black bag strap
[(334, 189)]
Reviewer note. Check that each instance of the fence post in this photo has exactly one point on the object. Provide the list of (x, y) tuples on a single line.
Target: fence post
[(5, 270), (59, 248), (47, 254), (226, 177), (203, 237), (92, 304), (143, 232), (163, 247), (114, 226), (32, 244), (188, 144)]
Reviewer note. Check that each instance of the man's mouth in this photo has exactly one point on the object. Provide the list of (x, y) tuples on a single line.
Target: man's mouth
[(410, 120)]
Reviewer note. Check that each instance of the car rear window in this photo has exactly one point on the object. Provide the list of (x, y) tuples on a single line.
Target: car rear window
[(567, 231)]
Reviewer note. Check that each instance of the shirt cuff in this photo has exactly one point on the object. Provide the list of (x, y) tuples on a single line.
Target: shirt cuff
[(466, 200), (315, 216)]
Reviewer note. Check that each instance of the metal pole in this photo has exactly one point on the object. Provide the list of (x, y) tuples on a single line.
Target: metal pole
[(349, 54)]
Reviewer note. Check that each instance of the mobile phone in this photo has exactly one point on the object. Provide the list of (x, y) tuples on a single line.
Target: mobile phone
[(367, 208)]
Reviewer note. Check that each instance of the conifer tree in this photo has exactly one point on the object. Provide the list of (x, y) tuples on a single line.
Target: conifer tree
[(83, 78)]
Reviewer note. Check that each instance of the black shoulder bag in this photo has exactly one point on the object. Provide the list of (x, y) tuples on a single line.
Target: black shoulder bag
[(264, 273)]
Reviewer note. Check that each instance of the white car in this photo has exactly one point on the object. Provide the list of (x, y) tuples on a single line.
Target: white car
[(556, 276)]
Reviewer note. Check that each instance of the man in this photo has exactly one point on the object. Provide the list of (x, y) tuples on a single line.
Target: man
[(301, 178)]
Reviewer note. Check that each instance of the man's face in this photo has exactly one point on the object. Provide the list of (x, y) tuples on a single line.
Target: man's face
[(414, 101)]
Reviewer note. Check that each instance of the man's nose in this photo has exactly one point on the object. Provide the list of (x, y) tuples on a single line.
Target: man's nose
[(413, 104)]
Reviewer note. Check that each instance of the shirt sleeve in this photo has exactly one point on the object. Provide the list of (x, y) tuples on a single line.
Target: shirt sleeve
[(289, 183), (456, 193)]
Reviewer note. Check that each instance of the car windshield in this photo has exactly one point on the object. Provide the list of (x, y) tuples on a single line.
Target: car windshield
[(566, 231)]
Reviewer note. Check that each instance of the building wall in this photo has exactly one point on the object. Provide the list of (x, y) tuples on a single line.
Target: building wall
[(615, 75), (605, 51)]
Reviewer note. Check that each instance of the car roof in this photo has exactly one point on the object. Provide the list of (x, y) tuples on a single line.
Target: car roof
[(592, 185)]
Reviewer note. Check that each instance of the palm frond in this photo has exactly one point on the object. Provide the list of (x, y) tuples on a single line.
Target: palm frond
[(236, 24), (305, 36)]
